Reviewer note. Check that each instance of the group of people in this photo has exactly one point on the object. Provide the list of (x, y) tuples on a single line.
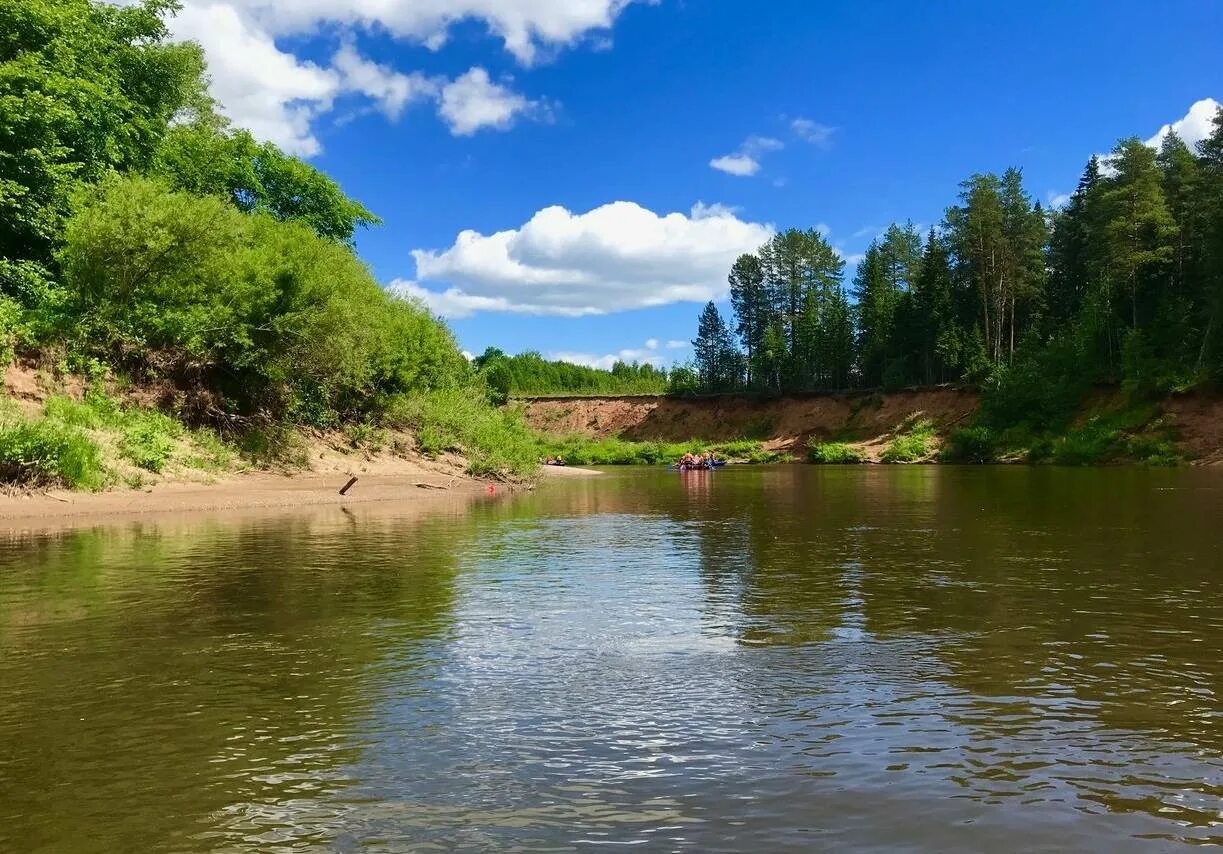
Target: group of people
[(694, 462)]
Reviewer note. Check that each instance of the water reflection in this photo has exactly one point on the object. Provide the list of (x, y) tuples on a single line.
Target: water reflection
[(759, 659)]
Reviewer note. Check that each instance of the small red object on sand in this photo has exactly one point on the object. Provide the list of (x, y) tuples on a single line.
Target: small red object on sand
[(491, 489)]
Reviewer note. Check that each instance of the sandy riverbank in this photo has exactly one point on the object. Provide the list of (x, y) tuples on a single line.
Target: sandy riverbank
[(404, 483), (241, 492)]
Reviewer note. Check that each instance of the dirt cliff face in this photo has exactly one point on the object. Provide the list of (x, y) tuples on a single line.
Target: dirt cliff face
[(785, 423)]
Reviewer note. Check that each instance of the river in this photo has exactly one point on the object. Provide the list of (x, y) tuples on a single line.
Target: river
[(757, 659)]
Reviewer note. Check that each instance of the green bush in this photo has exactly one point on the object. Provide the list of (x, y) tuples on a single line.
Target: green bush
[(835, 453), (284, 322), (972, 445), (14, 331), (1154, 450), (496, 443), (47, 452), (149, 439)]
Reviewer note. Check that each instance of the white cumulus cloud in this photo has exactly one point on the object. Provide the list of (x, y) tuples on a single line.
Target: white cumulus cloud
[(473, 101), (1193, 127), (279, 96), (271, 93), (390, 89), (616, 257), (525, 27)]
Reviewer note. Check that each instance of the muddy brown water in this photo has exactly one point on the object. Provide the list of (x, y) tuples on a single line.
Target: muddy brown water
[(768, 659)]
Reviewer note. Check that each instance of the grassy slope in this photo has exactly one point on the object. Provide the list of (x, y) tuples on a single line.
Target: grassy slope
[(65, 432)]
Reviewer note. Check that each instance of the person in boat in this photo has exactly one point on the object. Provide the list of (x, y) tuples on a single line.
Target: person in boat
[(693, 462)]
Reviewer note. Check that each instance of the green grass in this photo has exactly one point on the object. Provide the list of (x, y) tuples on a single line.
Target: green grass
[(209, 452), (585, 451), (46, 453), (149, 439), (1131, 433), (911, 443), (835, 453), (146, 438), (496, 443), (1108, 437)]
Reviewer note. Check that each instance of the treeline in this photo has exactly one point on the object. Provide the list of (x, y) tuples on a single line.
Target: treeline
[(142, 236), (529, 374), (1122, 284)]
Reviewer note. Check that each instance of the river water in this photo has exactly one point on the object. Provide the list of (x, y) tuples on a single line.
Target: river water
[(756, 659)]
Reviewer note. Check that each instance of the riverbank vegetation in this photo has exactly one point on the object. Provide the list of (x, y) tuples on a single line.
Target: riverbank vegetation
[(586, 451), (531, 375), (145, 243), (1120, 287)]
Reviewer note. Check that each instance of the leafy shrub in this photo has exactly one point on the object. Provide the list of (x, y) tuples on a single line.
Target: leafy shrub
[(14, 332), (149, 439), (496, 443), (47, 452), (1086, 446), (972, 445), (835, 453), (282, 321)]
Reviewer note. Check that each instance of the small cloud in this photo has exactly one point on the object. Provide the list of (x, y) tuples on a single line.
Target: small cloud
[(473, 101), (391, 90), (676, 344), (866, 230), (742, 165), (746, 161), (822, 229), (755, 144), (651, 344), (812, 132), (468, 355)]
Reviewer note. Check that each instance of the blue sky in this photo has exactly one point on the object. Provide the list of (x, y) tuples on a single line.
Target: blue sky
[(446, 116)]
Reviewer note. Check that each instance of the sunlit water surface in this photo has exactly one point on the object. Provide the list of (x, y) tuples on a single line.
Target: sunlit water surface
[(763, 659)]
